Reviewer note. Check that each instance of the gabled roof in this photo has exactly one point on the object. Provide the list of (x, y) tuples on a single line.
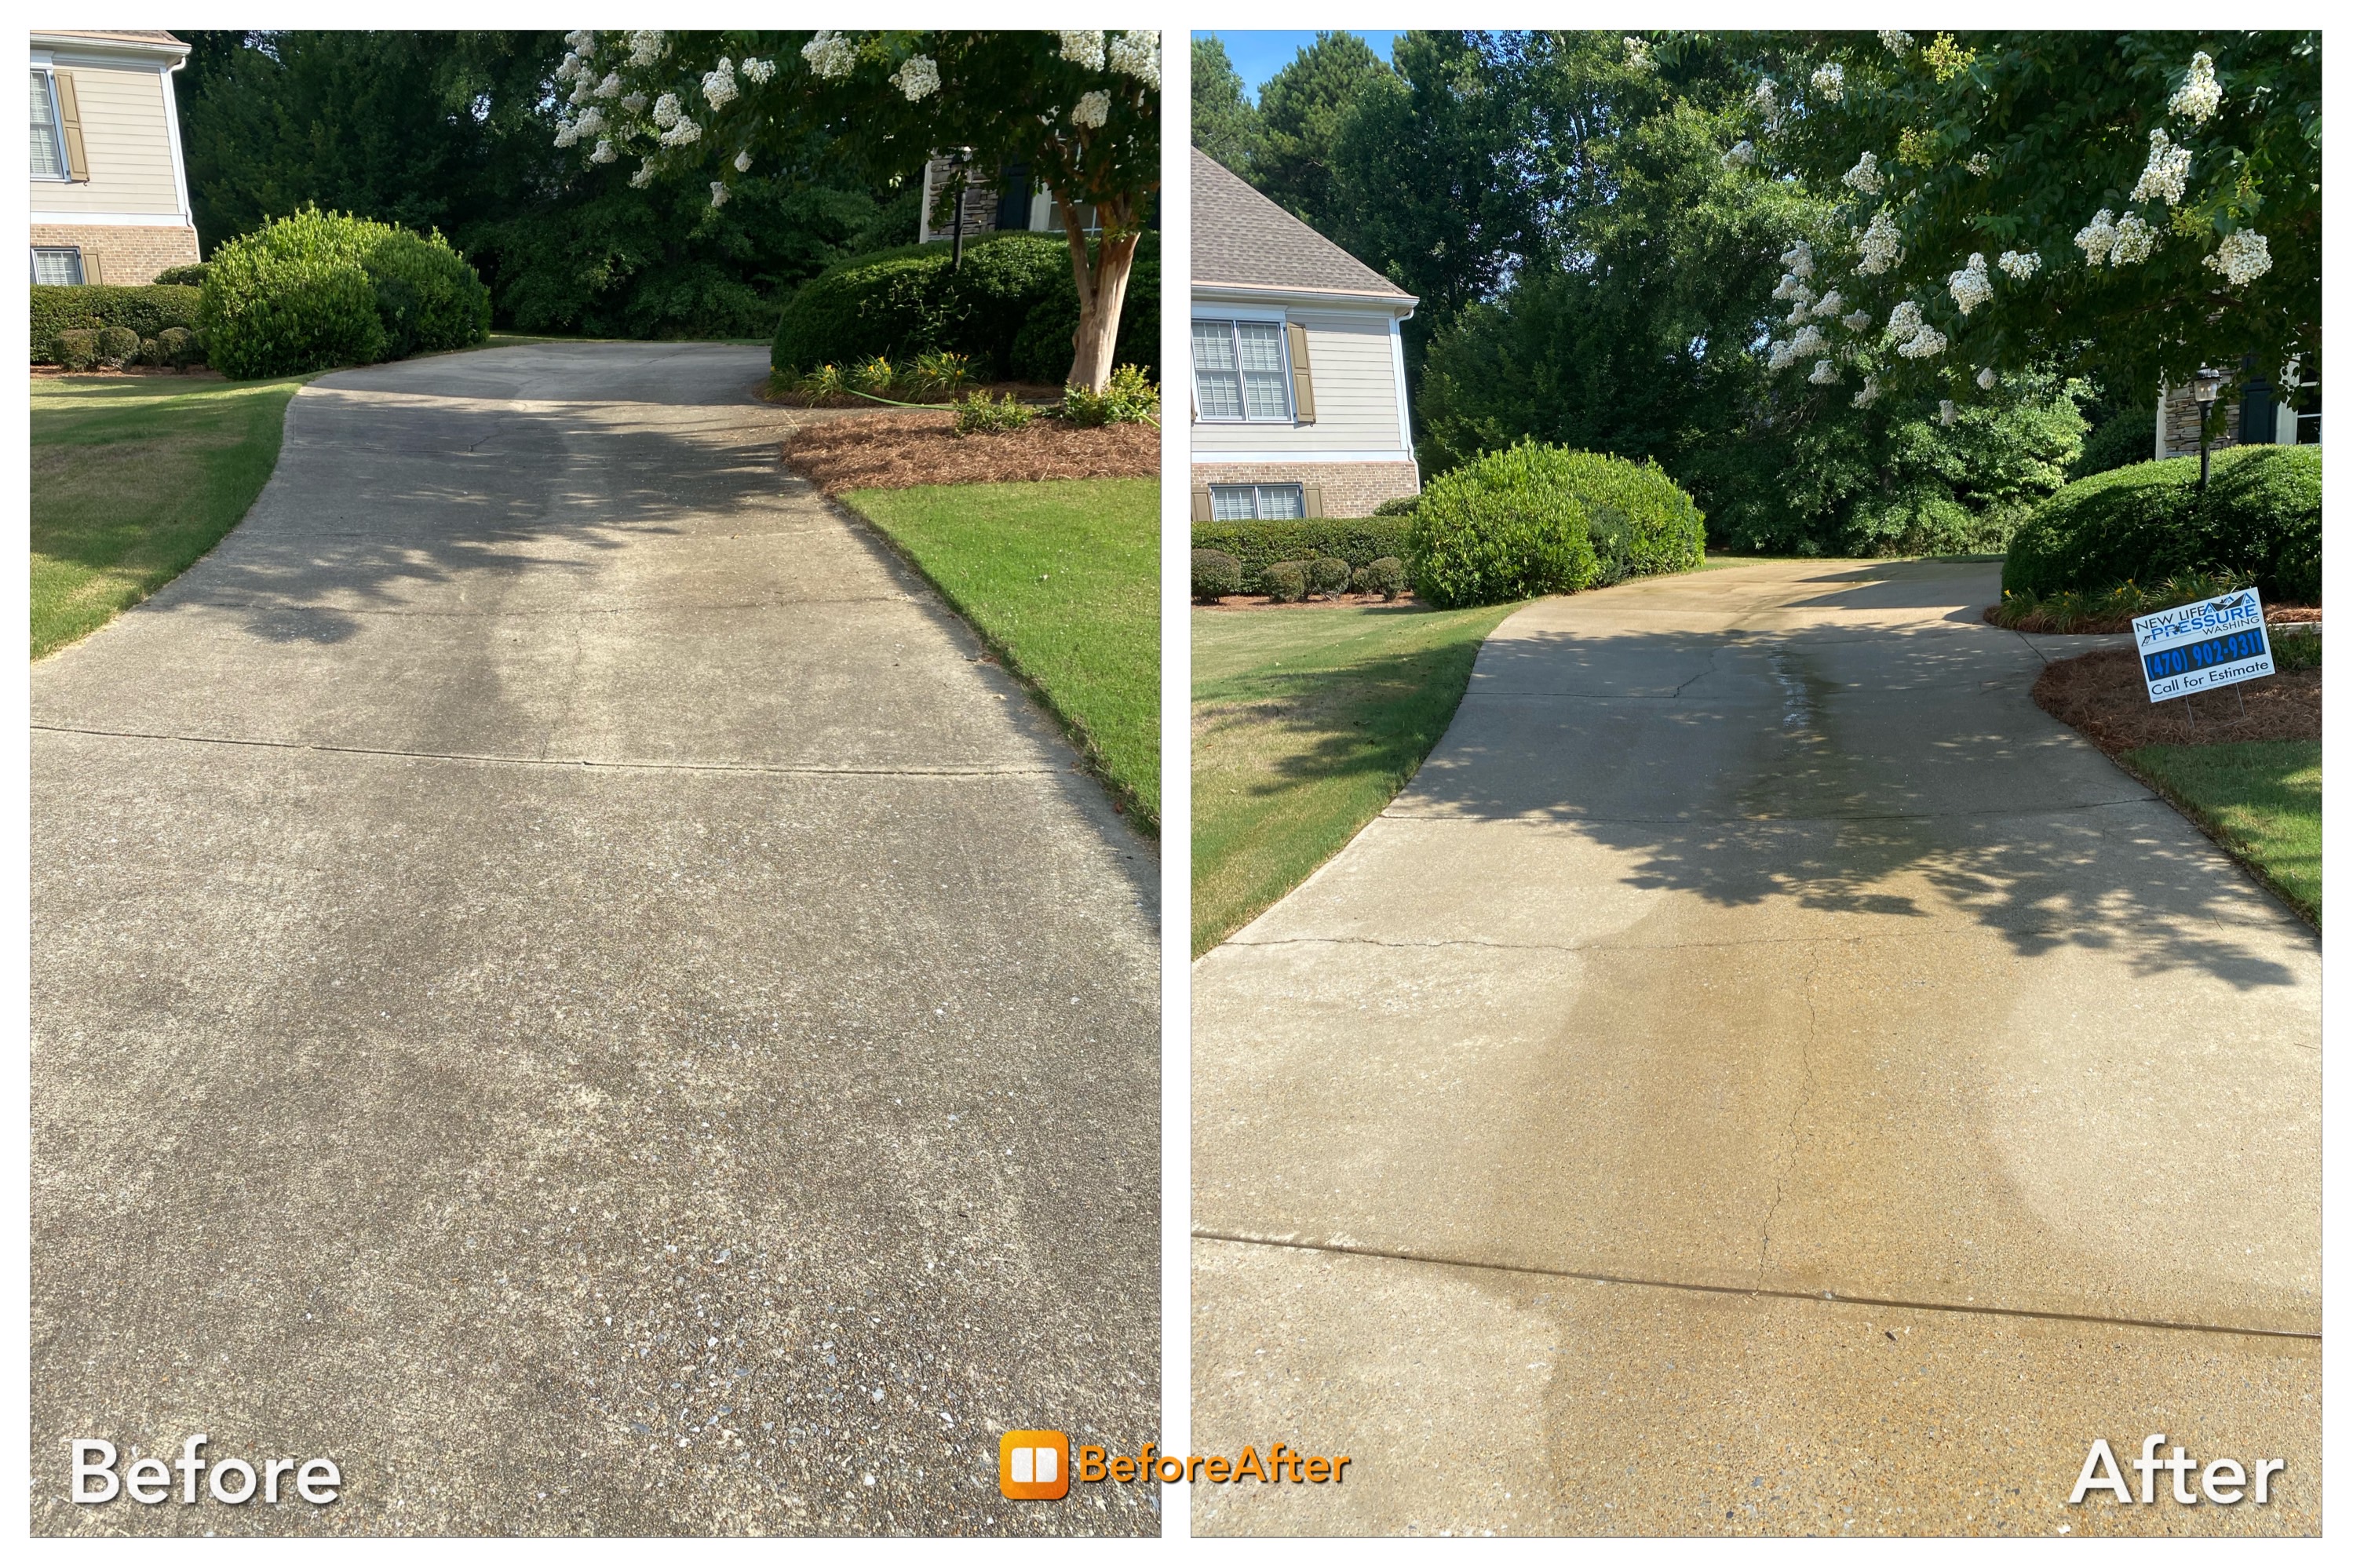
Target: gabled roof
[(1243, 239), (159, 42)]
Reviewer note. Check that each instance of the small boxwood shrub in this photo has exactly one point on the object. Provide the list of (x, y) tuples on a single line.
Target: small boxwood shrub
[(75, 349), (192, 276), (1215, 574), (87, 306), (321, 288), (1285, 581), (1005, 308), (1506, 525), (1397, 506), (117, 346), (1358, 541), (2259, 518), (1384, 577), (177, 347), (1328, 574)]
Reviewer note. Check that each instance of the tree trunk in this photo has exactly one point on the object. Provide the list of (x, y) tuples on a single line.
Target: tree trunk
[(1102, 292)]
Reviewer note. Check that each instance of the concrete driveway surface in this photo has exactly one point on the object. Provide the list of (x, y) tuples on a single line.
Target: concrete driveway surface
[(559, 982), (1762, 1076)]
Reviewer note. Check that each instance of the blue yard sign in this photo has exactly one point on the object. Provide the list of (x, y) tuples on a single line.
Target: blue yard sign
[(2203, 647)]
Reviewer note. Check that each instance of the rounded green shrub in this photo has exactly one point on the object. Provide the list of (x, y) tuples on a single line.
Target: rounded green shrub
[(75, 349), (1215, 574), (117, 347), (1284, 582), (1397, 506), (430, 300), (191, 276), (1651, 522), (2259, 517), (1384, 577), (1506, 525), (319, 288), (178, 347), (1328, 574)]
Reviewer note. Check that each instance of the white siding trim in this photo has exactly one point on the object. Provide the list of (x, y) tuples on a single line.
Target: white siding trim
[(171, 124), (1205, 454), (112, 220), (1397, 368), (1249, 313)]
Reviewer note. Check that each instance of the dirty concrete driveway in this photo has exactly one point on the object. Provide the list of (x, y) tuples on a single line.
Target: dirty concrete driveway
[(562, 981), (1762, 1076)]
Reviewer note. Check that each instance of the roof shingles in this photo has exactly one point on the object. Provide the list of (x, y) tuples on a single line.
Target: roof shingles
[(1240, 238)]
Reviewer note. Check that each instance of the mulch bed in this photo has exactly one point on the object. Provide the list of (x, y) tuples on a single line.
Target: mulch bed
[(2102, 694), (1025, 391), (906, 447), (1261, 602), (2099, 625)]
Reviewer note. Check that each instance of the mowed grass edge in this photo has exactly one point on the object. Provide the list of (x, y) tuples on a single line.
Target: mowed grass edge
[(133, 479), (1306, 722), (1061, 579), (2259, 799)]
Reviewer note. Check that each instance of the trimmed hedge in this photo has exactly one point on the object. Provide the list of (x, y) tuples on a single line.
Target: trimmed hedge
[(1640, 521), (2259, 517), (1506, 525), (145, 309), (1012, 308), (321, 289), (1358, 541), (1215, 574), (192, 275)]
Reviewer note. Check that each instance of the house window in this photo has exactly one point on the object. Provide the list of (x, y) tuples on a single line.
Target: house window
[(1249, 503), (1241, 371), (57, 264), (48, 141)]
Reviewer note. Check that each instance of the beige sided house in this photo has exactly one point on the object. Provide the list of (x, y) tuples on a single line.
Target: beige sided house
[(1299, 402), (109, 202)]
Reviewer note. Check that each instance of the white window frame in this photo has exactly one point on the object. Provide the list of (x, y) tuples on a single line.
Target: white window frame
[(82, 273), (1256, 515), (1231, 321), (64, 176)]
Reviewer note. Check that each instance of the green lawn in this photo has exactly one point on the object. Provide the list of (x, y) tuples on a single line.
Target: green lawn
[(2261, 798), (133, 479), (1305, 722), (1063, 579)]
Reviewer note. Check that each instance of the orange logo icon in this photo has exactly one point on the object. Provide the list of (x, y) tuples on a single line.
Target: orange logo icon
[(1034, 1465)]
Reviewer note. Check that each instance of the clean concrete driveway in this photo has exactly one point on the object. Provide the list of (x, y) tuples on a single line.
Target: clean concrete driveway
[(1763, 1075), (561, 980)]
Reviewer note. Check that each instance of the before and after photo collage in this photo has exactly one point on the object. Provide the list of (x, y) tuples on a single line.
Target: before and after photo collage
[(1208, 784)]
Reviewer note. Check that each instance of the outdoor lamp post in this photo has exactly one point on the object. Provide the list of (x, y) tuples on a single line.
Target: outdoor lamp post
[(2205, 386)]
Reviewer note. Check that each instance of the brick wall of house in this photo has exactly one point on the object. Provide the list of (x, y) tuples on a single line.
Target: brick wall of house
[(1350, 490), (126, 253)]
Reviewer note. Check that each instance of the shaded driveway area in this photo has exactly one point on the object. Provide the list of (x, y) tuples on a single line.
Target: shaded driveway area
[(561, 980), (1762, 1076)]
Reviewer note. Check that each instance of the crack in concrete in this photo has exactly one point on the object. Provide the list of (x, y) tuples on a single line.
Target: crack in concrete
[(1796, 1112), (1965, 1308)]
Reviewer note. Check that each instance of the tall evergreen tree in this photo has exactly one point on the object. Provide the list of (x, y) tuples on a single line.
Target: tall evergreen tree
[(1301, 110), (1225, 121)]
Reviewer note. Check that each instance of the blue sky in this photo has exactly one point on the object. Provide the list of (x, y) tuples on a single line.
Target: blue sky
[(1259, 55)]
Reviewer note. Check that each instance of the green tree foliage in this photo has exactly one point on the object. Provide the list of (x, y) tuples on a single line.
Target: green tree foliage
[(1301, 110), (2136, 204), (1226, 123), (455, 130)]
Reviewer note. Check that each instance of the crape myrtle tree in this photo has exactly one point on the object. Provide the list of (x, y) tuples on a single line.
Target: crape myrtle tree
[(1079, 109), (2132, 205)]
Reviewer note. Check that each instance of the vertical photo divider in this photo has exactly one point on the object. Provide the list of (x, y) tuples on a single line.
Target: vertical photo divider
[(1177, 775)]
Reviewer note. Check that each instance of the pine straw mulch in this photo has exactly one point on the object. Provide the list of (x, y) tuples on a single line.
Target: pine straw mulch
[(2102, 694), (902, 448), (2037, 621), (1320, 602)]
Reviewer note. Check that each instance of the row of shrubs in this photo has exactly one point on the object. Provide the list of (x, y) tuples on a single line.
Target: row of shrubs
[(1217, 572), (1010, 309), (307, 292), (2257, 520)]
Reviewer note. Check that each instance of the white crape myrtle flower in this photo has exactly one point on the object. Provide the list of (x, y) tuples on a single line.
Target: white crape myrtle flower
[(2243, 257), (1985, 379), (1800, 308), (918, 79), (665, 111), (1825, 374), (2200, 95), (645, 48), (1798, 259), (611, 86), (591, 122), (831, 55), (1829, 81), (743, 162), (567, 133), (1925, 344), (580, 40), (718, 193), (1894, 41), (1083, 48), (1979, 163), (1762, 100), (1638, 54), (605, 153), (1136, 53), (2167, 174), (1946, 412), (719, 83), (679, 134), (1902, 321), (583, 90), (568, 67), (1878, 245), (1810, 340), (644, 176), (1780, 358), (1860, 321), (1829, 305), (2097, 237), (1787, 288), (759, 71), (2019, 264), (1092, 110), (1868, 394), (1865, 175), (1970, 286), (1740, 155), (2135, 240), (635, 103)]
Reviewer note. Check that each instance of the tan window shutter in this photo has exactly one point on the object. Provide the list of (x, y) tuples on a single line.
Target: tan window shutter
[(1302, 382), (1201, 503), (90, 270), (1311, 496), (69, 121)]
